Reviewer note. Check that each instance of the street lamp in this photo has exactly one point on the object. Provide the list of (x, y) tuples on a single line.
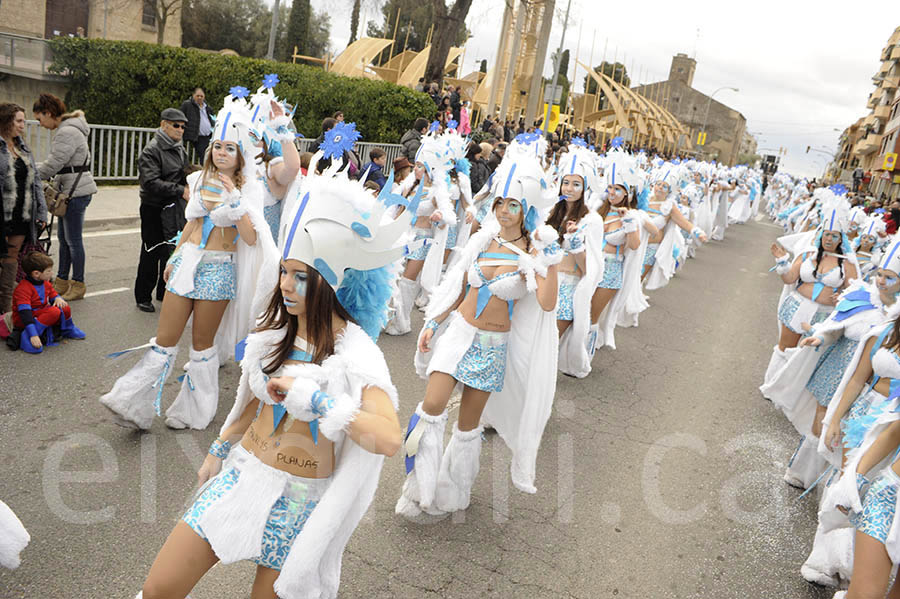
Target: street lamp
[(706, 116)]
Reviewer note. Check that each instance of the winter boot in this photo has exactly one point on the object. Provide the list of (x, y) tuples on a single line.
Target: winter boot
[(196, 404), (400, 325), (593, 334), (831, 558), (75, 292), (137, 394), (68, 330), (7, 284), (806, 465), (458, 470), (61, 285), (423, 447)]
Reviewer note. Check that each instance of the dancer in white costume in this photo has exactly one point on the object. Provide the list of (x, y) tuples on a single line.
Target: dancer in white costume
[(491, 328), (13, 538), (435, 215), (869, 245), (722, 188), (225, 254), (280, 162), (626, 231), (580, 232), (820, 271), (315, 412)]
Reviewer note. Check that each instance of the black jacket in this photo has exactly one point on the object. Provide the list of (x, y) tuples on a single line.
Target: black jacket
[(192, 112), (479, 174), (161, 171)]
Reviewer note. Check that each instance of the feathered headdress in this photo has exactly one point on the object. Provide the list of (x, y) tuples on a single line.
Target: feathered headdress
[(234, 124)]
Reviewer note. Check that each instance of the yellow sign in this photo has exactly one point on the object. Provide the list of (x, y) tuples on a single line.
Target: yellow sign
[(896, 178), (890, 161), (701, 138), (553, 120)]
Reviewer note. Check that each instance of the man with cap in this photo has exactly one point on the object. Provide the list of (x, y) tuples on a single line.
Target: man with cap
[(162, 172)]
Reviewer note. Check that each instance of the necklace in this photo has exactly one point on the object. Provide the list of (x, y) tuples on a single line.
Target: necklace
[(502, 241)]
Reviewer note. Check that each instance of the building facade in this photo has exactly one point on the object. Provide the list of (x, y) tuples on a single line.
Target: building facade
[(109, 19), (724, 126)]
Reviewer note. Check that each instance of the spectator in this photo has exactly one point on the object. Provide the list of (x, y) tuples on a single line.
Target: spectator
[(479, 173), (487, 124), (892, 217), (455, 104), (465, 126), (69, 162), (496, 156), (402, 168), (412, 139), (38, 308), (375, 167), (338, 116), (305, 159), (435, 94), (164, 194), (199, 122), (24, 211), (420, 86)]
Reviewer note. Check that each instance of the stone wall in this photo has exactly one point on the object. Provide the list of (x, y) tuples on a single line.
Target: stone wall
[(25, 17), (24, 91), (123, 22)]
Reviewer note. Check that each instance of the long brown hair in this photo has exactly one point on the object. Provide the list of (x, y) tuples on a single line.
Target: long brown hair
[(630, 202), (561, 210), (321, 304), (210, 169), (8, 112)]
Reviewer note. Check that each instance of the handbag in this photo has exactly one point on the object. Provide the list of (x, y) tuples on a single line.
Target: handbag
[(58, 201)]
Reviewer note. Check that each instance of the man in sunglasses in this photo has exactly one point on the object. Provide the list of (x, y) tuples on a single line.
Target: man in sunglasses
[(162, 169)]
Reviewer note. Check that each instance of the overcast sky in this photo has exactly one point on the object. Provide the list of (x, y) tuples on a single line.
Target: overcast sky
[(803, 69)]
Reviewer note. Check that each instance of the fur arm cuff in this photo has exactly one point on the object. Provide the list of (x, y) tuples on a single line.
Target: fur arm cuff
[(783, 264), (574, 242), (338, 417), (543, 237), (298, 401)]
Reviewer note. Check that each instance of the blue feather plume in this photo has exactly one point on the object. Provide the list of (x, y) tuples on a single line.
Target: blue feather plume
[(365, 294)]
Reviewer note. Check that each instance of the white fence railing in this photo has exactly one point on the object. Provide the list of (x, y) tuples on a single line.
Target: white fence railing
[(115, 149)]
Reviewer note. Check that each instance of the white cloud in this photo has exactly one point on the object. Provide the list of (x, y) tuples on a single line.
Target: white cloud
[(803, 68)]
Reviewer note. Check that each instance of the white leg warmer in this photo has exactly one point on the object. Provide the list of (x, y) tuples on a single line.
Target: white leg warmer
[(458, 470), (806, 464), (593, 335), (400, 325), (196, 404), (777, 360), (422, 299), (831, 558), (425, 443), (134, 395), (13, 538)]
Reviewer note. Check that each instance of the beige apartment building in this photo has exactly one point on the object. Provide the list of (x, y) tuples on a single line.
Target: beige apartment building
[(110, 19)]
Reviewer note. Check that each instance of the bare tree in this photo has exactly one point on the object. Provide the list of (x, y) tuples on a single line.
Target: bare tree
[(447, 25), (354, 15), (163, 9)]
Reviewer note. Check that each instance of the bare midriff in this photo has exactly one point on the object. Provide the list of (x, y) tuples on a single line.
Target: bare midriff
[(495, 316), (220, 238), (291, 450)]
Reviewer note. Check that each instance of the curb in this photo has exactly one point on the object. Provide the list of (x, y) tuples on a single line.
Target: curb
[(116, 222)]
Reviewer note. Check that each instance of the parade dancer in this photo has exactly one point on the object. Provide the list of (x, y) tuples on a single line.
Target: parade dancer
[(434, 217), (661, 256), (280, 161), (721, 190), (869, 243), (224, 255), (298, 459), (626, 230), (491, 329), (580, 233), (821, 270)]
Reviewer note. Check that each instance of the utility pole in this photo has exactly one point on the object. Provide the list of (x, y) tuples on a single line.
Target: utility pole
[(270, 54), (553, 82)]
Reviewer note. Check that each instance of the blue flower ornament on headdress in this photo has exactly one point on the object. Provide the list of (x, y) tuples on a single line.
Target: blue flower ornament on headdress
[(339, 139)]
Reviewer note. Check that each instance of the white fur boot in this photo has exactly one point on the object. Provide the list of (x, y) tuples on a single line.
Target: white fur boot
[(806, 465), (13, 538), (135, 394), (775, 363), (831, 558), (198, 399), (422, 299), (458, 470), (423, 447), (593, 335), (400, 325)]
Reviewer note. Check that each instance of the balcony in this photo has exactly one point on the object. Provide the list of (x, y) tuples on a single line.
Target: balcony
[(882, 112), (895, 53), (26, 56), (868, 144), (891, 82)]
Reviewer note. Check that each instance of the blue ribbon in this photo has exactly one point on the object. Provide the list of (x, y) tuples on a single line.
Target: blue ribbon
[(411, 460)]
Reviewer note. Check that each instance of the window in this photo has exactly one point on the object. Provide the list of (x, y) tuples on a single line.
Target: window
[(681, 69), (148, 16)]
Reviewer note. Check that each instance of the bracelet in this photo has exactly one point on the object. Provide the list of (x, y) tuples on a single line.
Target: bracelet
[(432, 324), (320, 403), (220, 449)]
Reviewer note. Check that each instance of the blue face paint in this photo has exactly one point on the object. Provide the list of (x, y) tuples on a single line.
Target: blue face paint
[(300, 279), (514, 208)]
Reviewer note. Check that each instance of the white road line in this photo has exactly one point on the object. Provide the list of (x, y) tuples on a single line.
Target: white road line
[(111, 233), (107, 291)]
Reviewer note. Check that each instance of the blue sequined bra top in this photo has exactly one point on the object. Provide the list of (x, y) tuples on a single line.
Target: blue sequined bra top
[(508, 286)]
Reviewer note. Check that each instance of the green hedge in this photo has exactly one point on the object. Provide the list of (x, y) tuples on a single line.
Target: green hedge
[(129, 83)]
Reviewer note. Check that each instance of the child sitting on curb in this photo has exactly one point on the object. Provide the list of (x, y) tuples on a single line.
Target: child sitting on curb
[(39, 312)]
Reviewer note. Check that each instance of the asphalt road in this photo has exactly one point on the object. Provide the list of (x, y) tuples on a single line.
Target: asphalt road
[(659, 475)]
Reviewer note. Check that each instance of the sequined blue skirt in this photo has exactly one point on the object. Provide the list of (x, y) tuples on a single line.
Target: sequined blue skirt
[(861, 416), (879, 506), (788, 309), (452, 236), (272, 215), (287, 518), (214, 280), (613, 272), (422, 252), (565, 309), (830, 369), (483, 366), (650, 254)]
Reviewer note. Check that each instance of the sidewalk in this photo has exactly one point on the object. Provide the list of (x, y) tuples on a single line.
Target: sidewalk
[(113, 206)]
